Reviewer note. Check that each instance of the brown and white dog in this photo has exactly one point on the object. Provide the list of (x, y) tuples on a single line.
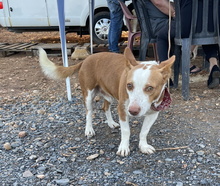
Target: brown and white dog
[(140, 89)]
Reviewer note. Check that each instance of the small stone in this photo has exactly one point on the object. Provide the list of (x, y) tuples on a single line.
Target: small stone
[(92, 157), (202, 145), (39, 144), (97, 98), (137, 172), (80, 53), (41, 169), (107, 173), (120, 162), (63, 159), (22, 134), (63, 181), (77, 139), (218, 153), (184, 166), (111, 146), (101, 152), (41, 112), (194, 161), (7, 146), (59, 171), (40, 159), (36, 91), (197, 98), (199, 159), (135, 122), (41, 176), (204, 182), (51, 118), (179, 184), (27, 174), (200, 153), (33, 157), (15, 144), (168, 159), (191, 151)]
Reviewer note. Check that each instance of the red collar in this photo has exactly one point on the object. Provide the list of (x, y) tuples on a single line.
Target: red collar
[(165, 102)]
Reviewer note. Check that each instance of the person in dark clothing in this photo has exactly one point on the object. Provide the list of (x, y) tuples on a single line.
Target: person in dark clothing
[(211, 51)]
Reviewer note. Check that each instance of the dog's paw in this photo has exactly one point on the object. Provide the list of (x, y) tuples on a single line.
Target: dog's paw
[(147, 149), (89, 132), (123, 151), (113, 125)]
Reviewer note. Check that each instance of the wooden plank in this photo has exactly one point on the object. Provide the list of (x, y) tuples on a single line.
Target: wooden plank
[(20, 47), (125, 43), (25, 46), (53, 49), (10, 46), (53, 45), (95, 45), (3, 44), (101, 45), (86, 45)]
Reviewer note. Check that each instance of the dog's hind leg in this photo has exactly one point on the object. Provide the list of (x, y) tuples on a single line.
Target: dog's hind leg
[(89, 131), (148, 122), (107, 110)]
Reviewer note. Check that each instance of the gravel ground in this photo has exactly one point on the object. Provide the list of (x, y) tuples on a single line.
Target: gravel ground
[(42, 139), (54, 151)]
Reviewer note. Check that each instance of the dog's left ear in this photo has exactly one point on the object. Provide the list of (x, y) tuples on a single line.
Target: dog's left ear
[(130, 59), (165, 67)]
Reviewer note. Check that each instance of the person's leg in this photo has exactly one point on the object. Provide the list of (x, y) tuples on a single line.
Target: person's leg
[(211, 52), (116, 16), (163, 42)]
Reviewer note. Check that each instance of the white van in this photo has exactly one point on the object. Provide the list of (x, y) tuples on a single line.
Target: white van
[(42, 15)]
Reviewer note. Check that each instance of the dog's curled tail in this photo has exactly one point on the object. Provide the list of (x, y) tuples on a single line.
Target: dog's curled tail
[(54, 71)]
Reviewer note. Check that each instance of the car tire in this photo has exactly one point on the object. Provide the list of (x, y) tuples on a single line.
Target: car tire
[(101, 27)]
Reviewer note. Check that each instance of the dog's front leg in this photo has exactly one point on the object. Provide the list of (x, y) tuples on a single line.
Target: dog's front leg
[(89, 131), (123, 149), (148, 122)]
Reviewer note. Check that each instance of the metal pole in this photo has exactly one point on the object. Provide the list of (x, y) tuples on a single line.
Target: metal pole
[(61, 15), (91, 17)]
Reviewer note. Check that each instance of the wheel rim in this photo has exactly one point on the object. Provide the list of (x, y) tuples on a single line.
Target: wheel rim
[(101, 29)]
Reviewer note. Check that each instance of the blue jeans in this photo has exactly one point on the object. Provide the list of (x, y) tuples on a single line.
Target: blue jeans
[(115, 30)]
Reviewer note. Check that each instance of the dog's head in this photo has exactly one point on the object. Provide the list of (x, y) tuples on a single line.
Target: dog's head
[(145, 83)]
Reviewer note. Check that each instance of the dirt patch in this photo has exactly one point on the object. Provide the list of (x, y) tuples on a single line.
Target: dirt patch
[(21, 74)]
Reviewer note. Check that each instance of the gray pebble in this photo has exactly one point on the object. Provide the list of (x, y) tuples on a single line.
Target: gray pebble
[(137, 172), (179, 184), (63, 181), (200, 153)]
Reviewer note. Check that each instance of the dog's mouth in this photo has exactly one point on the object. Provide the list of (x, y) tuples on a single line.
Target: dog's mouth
[(165, 102)]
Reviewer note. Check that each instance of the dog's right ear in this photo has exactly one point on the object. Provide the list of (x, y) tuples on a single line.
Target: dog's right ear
[(130, 59)]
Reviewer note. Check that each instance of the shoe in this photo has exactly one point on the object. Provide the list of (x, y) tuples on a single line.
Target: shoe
[(214, 77), (194, 69)]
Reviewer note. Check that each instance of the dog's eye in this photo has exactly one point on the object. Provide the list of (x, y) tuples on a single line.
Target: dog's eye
[(130, 86), (149, 89)]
